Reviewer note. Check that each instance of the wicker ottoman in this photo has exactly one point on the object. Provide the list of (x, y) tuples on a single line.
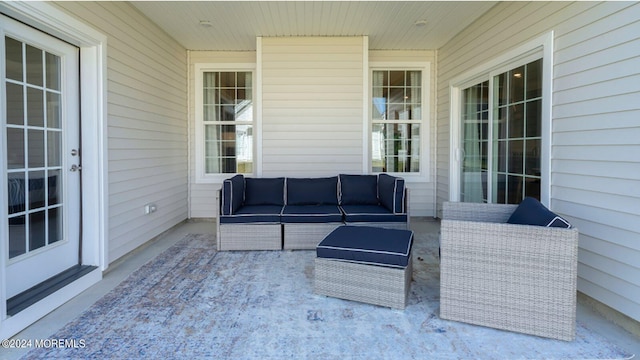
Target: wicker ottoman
[(366, 264)]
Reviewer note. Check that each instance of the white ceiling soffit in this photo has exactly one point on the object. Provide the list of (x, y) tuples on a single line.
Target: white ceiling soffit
[(234, 25)]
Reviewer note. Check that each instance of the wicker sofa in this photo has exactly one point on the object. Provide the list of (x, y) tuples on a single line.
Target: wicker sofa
[(508, 276), (297, 213)]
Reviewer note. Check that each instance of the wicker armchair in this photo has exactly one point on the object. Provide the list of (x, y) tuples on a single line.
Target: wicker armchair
[(513, 277)]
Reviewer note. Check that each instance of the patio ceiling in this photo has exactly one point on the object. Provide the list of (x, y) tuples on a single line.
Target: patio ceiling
[(234, 25)]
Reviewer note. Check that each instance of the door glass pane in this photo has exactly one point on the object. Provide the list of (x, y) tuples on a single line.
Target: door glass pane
[(13, 49), (37, 230), (34, 66), (54, 107), (15, 104), (17, 236), (53, 71), (516, 86), (37, 189), (53, 148), (36, 148), (55, 225), (516, 121), (475, 139), (534, 79), (516, 156), (534, 118), (532, 157), (35, 107), (15, 148), (54, 187), (16, 192)]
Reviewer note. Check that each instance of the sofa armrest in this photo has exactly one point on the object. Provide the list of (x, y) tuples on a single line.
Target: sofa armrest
[(232, 195), (497, 213), (392, 193)]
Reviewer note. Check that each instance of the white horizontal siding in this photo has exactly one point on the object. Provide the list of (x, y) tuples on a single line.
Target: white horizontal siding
[(147, 123), (595, 168), (312, 106)]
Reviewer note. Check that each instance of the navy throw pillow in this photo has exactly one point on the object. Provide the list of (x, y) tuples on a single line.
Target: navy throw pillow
[(265, 191), (532, 212), (312, 191), (358, 190)]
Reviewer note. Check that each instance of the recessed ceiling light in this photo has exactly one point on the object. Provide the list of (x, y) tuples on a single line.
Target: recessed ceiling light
[(420, 23), (205, 23)]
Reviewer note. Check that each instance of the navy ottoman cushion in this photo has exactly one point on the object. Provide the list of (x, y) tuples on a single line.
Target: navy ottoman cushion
[(367, 245)]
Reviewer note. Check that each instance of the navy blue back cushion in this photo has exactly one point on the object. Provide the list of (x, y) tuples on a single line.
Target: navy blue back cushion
[(391, 193), (358, 190), (313, 191), (266, 191), (532, 212), (232, 194)]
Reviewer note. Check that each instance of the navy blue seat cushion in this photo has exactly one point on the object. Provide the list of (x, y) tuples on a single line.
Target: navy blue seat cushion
[(367, 245), (254, 214), (358, 189), (370, 213), (264, 191), (232, 195), (391, 193), (311, 214), (312, 191), (532, 212)]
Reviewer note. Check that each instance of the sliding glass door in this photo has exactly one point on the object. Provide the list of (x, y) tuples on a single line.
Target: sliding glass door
[(501, 136)]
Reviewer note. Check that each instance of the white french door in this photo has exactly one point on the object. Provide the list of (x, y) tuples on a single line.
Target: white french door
[(41, 156)]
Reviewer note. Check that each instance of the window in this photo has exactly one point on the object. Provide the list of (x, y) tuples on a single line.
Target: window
[(501, 136), (224, 102), (396, 120)]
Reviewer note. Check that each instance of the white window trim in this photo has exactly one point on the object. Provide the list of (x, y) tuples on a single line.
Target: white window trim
[(199, 69), (425, 130), (541, 46)]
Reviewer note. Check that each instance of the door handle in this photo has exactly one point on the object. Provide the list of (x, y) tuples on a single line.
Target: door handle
[(75, 167)]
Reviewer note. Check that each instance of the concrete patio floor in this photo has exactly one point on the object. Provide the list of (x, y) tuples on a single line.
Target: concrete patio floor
[(121, 269)]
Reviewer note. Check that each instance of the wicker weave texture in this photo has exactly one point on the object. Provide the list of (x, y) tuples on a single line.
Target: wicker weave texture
[(372, 284), (499, 213), (306, 236), (511, 277), (249, 237)]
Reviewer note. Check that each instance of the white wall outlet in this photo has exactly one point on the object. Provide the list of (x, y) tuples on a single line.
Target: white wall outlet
[(150, 208)]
